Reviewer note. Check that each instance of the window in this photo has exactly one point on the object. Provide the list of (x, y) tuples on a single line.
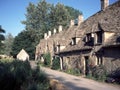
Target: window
[(99, 60), (73, 41), (99, 37), (58, 48), (88, 38)]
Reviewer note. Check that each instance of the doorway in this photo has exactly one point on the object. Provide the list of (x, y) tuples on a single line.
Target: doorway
[(86, 65)]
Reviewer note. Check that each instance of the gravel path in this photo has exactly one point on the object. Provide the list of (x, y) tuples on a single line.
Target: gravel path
[(78, 83)]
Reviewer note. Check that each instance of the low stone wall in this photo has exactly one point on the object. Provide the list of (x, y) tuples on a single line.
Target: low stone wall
[(56, 85)]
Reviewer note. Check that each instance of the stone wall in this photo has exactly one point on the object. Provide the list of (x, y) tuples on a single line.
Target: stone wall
[(111, 58), (71, 62)]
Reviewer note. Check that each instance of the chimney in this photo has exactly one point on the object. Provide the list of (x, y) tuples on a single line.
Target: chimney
[(80, 19), (49, 33), (45, 35), (54, 31), (60, 28), (72, 23), (104, 4)]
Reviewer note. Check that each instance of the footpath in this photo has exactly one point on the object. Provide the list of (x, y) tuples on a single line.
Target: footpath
[(77, 83)]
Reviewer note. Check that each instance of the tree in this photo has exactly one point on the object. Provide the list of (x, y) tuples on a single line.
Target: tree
[(41, 18), (1, 39), (73, 12), (59, 16), (44, 16), (23, 41), (30, 22), (8, 44), (37, 19)]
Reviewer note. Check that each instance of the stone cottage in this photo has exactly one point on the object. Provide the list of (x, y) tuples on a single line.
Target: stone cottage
[(93, 42), (23, 55)]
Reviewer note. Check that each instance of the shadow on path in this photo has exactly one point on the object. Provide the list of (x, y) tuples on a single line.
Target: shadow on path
[(68, 84)]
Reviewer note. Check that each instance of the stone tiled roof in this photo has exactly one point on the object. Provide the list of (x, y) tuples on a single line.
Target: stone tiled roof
[(77, 47), (64, 37), (107, 20)]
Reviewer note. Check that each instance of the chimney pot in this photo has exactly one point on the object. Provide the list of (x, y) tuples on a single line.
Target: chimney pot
[(60, 28), (45, 35), (80, 19), (72, 23), (49, 33), (104, 4), (54, 31)]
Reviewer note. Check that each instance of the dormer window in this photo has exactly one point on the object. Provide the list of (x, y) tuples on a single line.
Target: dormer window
[(88, 37), (58, 48), (99, 37), (74, 41)]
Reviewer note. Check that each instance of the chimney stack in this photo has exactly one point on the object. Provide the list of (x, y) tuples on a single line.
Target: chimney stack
[(72, 23), (104, 4), (80, 19), (49, 33), (60, 28), (45, 35), (54, 31)]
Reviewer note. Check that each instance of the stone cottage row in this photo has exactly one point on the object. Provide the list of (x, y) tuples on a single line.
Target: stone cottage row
[(93, 42)]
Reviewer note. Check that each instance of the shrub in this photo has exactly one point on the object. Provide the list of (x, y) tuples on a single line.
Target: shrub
[(56, 63), (47, 59), (18, 75), (99, 73), (114, 76)]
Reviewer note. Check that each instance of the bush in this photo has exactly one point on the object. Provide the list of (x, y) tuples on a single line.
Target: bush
[(47, 59), (13, 74), (56, 63), (99, 73), (114, 76), (18, 75)]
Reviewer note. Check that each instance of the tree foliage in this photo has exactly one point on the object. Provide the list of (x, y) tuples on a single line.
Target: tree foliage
[(73, 12), (2, 37), (44, 16), (59, 16), (8, 44), (24, 41), (40, 18), (37, 19)]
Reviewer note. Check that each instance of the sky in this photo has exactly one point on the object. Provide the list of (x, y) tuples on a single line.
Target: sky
[(12, 12)]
